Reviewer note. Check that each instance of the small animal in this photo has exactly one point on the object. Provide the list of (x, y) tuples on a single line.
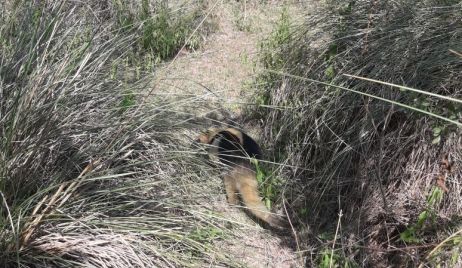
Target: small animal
[(234, 148)]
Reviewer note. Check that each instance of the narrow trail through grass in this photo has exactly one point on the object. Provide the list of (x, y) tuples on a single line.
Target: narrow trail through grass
[(222, 70)]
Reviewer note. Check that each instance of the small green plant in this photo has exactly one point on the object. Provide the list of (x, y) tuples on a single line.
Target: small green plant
[(329, 58), (128, 101), (436, 135), (206, 234), (245, 58), (329, 258), (269, 184), (205, 237), (325, 260), (411, 234), (332, 259)]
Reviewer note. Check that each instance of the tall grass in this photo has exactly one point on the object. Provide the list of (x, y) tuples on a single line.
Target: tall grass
[(362, 147), (88, 175)]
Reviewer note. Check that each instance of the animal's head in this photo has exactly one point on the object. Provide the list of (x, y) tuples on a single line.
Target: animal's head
[(207, 136)]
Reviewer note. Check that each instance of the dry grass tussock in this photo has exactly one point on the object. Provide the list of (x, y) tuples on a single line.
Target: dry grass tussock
[(379, 156), (90, 173)]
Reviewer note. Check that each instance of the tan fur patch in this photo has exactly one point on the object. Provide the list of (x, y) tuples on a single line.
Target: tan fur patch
[(207, 136), (246, 184), (236, 133)]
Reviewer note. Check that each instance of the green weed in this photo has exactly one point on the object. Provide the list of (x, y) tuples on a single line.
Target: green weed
[(329, 58), (327, 259), (206, 234), (269, 184), (411, 234), (128, 101)]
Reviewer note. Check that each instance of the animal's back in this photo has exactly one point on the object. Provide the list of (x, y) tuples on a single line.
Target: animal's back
[(237, 149)]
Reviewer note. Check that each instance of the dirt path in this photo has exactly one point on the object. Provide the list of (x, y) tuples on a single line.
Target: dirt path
[(225, 65)]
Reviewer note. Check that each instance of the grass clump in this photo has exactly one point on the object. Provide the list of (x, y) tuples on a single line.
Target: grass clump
[(90, 172), (162, 28), (365, 147), (271, 56)]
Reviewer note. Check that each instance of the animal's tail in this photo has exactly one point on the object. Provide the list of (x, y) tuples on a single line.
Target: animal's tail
[(247, 186)]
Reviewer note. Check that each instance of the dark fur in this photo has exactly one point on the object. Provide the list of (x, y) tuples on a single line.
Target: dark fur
[(230, 151)]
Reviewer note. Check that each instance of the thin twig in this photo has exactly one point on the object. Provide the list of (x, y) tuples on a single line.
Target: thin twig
[(335, 237)]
